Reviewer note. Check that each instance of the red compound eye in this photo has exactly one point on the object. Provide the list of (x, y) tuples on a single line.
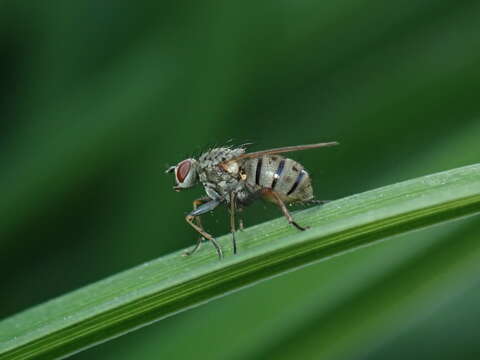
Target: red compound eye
[(182, 170)]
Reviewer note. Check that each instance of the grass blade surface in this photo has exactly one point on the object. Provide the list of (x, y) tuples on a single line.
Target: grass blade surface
[(170, 284)]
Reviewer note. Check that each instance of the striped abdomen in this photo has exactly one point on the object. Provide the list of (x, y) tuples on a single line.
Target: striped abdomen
[(285, 176)]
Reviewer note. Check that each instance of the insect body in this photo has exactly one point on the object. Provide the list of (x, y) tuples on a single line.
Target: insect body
[(236, 178)]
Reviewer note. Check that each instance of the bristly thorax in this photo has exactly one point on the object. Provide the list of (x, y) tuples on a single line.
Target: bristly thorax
[(218, 183)]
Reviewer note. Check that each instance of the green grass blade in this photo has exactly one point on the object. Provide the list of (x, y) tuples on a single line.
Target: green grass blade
[(391, 306), (172, 283)]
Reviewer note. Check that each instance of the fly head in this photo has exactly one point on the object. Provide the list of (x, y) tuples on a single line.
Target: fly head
[(186, 174)]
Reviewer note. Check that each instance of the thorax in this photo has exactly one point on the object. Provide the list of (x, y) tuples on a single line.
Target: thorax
[(217, 182)]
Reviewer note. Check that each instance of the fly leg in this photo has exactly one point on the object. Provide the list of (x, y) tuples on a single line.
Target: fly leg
[(319, 202), (198, 221), (241, 225), (281, 205), (233, 198), (190, 218)]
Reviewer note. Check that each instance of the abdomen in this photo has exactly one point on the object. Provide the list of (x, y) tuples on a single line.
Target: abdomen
[(285, 176)]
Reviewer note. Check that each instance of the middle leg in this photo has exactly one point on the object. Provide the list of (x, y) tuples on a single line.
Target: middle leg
[(233, 207)]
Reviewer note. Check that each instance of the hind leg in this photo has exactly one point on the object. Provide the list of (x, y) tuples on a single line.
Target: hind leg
[(282, 206), (319, 202)]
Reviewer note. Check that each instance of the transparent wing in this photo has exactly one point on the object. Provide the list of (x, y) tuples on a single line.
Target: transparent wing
[(281, 150)]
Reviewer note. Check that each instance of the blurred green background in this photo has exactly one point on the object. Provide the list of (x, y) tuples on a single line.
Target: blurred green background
[(97, 98)]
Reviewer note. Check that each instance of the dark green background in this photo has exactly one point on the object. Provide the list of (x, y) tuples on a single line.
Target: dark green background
[(97, 98)]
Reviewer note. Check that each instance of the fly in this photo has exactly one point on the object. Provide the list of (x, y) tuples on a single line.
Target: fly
[(236, 178)]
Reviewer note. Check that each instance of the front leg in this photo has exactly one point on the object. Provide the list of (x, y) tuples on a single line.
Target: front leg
[(190, 218), (196, 204)]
